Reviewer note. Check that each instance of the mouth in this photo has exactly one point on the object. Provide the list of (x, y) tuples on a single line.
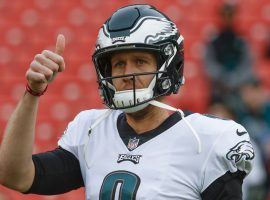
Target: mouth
[(129, 89)]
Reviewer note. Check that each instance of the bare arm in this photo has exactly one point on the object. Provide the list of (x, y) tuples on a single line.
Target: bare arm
[(16, 166)]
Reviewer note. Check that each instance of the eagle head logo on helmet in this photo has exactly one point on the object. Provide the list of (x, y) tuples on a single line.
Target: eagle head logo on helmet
[(139, 27)]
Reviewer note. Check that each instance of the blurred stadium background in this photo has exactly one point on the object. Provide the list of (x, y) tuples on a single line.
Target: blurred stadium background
[(27, 27)]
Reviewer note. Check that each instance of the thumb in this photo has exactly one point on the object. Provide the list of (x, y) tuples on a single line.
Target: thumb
[(60, 44)]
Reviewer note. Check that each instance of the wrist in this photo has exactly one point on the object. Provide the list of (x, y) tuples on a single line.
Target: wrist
[(34, 93)]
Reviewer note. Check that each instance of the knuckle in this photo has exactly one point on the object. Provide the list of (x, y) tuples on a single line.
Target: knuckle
[(40, 77), (55, 67), (52, 66), (60, 59), (44, 52), (34, 64), (49, 73), (38, 56)]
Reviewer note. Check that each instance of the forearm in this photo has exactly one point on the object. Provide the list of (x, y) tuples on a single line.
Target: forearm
[(17, 169), (17, 145)]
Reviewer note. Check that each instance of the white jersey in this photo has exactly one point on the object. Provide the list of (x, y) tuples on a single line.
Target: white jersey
[(168, 166)]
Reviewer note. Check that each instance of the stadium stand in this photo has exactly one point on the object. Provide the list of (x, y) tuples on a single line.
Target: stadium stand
[(27, 27)]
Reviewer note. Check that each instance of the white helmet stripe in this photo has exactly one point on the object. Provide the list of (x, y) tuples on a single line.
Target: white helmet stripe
[(148, 18), (180, 39)]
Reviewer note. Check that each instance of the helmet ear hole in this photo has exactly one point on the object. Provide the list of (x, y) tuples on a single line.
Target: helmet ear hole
[(166, 84), (168, 50), (163, 86)]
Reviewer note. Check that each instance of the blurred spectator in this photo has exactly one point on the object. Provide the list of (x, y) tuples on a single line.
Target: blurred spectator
[(267, 47), (254, 112), (228, 60), (255, 116), (221, 110), (254, 187)]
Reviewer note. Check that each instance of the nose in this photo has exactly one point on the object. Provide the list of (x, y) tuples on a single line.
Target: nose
[(129, 68)]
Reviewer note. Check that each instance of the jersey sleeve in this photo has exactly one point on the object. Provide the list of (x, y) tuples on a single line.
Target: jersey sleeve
[(231, 153), (56, 172), (76, 130)]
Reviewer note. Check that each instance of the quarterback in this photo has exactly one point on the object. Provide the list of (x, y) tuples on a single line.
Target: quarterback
[(139, 147)]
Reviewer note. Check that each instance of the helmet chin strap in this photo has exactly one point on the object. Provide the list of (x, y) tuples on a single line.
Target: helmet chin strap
[(168, 107)]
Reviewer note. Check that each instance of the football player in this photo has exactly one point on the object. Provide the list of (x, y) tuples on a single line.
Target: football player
[(140, 147)]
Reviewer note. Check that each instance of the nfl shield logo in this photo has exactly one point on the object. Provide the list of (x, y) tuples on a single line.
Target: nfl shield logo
[(133, 143)]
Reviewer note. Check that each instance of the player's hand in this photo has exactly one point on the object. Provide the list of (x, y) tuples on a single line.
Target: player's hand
[(45, 66)]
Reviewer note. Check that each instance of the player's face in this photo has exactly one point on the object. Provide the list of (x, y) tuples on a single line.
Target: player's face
[(124, 63)]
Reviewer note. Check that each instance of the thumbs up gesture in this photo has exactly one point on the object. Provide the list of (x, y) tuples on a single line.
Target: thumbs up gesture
[(46, 66)]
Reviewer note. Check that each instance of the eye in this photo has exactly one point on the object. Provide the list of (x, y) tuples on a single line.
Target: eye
[(119, 64), (141, 61)]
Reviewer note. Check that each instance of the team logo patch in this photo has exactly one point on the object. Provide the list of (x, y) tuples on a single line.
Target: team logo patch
[(127, 157), (242, 149), (133, 143)]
